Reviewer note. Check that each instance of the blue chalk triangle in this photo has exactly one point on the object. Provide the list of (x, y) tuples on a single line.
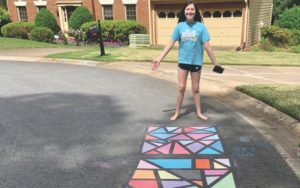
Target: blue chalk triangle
[(170, 129), (212, 129), (208, 151), (163, 136), (161, 130), (217, 145)]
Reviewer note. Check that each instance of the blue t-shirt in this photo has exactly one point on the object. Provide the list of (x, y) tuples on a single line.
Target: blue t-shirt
[(191, 38)]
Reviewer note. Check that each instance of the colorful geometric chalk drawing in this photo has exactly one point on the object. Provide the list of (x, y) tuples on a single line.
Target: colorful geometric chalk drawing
[(182, 141), (180, 163)]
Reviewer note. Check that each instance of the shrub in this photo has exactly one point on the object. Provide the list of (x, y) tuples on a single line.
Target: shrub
[(4, 17), (79, 35), (80, 16), (42, 34), (266, 45), (290, 18), (44, 18), (296, 36), (279, 37), (16, 32), (28, 26), (116, 30)]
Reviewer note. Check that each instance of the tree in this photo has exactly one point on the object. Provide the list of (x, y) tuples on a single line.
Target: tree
[(3, 4), (279, 6)]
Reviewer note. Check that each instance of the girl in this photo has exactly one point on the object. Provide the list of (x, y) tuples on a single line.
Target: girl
[(192, 36)]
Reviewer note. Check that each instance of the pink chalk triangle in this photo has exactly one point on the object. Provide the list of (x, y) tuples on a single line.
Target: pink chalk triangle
[(188, 129), (177, 131), (144, 165), (178, 149), (152, 128), (180, 137), (207, 142), (199, 128), (165, 149), (149, 137), (198, 136), (153, 152)]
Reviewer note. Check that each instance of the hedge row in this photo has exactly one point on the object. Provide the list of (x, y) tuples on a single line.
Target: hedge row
[(26, 26), (117, 30)]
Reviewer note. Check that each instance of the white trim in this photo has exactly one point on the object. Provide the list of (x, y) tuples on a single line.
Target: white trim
[(106, 2), (40, 3), (20, 3), (129, 2)]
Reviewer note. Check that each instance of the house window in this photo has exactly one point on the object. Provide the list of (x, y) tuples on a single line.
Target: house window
[(227, 13), (108, 12), (217, 14), (22, 14), (171, 15), (237, 14), (38, 8), (162, 15), (207, 14), (130, 12)]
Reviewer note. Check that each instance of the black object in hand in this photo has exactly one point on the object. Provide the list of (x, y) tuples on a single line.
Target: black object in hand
[(218, 69)]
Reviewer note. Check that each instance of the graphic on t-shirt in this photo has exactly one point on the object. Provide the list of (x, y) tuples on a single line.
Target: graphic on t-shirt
[(189, 35)]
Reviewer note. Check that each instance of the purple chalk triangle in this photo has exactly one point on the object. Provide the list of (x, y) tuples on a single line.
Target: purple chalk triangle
[(173, 184), (147, 147)]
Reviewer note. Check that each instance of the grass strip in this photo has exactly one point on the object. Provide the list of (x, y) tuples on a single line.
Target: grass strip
[(284, 97)]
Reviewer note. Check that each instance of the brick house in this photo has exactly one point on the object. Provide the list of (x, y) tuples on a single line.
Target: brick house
[(230, 22)]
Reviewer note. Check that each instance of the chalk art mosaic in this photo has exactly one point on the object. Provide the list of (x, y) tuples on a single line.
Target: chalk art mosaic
[(180, 163)]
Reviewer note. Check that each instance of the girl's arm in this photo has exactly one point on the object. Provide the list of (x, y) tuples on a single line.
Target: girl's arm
[(166, 50), (210, 53)]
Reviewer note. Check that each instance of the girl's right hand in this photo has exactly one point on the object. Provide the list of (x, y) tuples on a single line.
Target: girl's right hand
[(155, 64)]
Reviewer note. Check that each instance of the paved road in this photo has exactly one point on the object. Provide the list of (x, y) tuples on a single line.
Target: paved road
[(72, 126)]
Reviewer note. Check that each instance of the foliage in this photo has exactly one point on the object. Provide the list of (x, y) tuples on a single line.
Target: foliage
[(296, 36), (63, 37), (266, 45), (79, 35), (279, 6), (16, 32), (28, 26), (42, 34), (44, 18), (117, 30), (4, 17), (3, 4), (80, 16), (279, 37), (290, 18)]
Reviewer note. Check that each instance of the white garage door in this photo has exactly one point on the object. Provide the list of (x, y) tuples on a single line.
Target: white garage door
[(224, 26)]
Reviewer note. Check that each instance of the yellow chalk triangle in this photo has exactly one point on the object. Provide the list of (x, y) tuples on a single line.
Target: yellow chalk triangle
[(218, 166), (166, 175)]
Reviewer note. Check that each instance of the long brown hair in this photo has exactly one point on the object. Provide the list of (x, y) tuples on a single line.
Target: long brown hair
[(182, 17)]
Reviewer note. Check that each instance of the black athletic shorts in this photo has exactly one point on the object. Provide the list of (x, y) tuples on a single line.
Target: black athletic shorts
[(191, 68)]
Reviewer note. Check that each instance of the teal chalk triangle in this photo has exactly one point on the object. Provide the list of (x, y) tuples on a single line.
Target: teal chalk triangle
[(163, 136), (170, 129), (212, 129), (159, 141), (217, 145), (208, 151), (161, 130), (227, 182)]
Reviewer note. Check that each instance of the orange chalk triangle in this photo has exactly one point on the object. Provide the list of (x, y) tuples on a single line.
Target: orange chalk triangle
[(178, 149), (198, 183)]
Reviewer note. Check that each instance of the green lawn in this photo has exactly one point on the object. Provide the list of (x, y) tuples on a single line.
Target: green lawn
[(148, 54), (281, 96), (13, 43)]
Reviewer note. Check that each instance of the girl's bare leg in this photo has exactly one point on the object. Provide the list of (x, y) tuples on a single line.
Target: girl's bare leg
[(195, 89), (182, 78)]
